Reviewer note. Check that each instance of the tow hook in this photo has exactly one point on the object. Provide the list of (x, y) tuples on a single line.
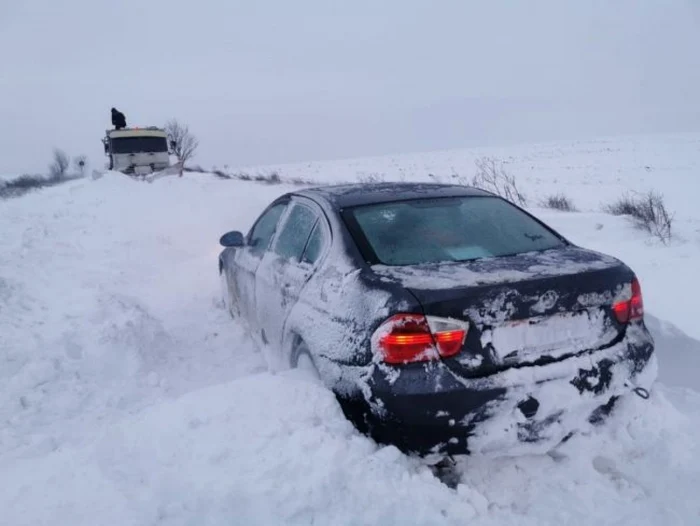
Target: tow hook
[(639, 391)]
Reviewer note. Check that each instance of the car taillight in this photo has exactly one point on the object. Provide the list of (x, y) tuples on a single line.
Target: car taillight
[(629, 306), (406, 338)]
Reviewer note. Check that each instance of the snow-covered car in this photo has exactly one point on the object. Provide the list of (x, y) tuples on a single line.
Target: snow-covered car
[(444, 318)]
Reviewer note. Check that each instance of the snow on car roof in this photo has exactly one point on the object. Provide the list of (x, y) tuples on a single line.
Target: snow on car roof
[(347, 195)]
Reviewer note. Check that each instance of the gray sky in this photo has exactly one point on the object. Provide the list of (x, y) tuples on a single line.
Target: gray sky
[(273, 81)]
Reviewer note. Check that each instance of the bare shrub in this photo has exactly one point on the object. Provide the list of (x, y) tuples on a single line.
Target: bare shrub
[(61, 162), (22, 184), (492, 177), (26, 183), (269, 178), (624, 206), (195, 169), (298, 181), (559, 202), (183, 143), (648, 211), (220, 173), (371, 178)]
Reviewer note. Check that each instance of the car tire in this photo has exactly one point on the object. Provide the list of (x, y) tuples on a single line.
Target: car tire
[(226, 295), (304, 362)]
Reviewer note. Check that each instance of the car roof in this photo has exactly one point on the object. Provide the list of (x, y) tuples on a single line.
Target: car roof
[(357, 194)]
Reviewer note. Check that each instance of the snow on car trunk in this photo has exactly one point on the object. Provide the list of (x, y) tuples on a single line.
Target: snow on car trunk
[(522, 308), (555, 335)]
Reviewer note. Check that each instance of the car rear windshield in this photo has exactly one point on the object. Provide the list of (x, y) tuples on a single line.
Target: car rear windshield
[(447, 229)]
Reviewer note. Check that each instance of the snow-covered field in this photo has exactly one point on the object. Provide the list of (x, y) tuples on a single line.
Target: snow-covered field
[(127, 395)]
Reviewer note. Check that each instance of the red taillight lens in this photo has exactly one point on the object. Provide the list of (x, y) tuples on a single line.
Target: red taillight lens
[(450, 343), (406, 338), (630, 306)]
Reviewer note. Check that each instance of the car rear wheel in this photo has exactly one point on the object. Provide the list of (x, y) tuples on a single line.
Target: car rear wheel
[(303, 361)]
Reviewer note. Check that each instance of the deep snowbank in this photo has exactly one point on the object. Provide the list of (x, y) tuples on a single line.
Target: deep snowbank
[(127, 395), (276, 450), (108, 293)]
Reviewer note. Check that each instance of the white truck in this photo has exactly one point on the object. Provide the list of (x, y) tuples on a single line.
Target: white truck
[(138, 151)]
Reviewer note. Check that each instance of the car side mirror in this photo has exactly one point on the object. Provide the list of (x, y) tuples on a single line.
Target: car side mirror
[(232, 239)]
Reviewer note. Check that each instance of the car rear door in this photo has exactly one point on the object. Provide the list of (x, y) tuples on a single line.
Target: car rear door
[(248, 258), (284, 270)]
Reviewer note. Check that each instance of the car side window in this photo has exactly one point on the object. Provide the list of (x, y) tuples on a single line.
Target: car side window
[(263, 230), (295, 232), (316, 245)]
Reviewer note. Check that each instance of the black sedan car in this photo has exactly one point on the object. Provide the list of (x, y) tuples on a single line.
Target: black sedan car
[(444, 318)]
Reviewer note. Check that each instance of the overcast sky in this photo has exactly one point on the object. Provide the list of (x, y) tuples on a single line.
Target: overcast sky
[(274, 81)]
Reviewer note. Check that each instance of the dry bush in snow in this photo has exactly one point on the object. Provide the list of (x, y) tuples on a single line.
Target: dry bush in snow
[(299, 181), (220, 173), (624, 206), (559, 202), (21, 185), (371, 178), (61, 162), (492, 177), (183, 143), (25, 183), (269, 178), (648, 211)]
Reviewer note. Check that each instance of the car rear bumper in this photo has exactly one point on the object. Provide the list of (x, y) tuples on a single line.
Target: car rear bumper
[(429, 409)]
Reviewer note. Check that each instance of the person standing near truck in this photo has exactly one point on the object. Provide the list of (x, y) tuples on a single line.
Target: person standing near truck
[(118, 119)]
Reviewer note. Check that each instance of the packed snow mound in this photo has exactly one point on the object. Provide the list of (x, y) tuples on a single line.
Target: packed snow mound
[(107, 292), (275, 449), (128, 396)]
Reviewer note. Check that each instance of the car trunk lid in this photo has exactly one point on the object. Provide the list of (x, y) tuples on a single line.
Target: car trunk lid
[(524, 309)]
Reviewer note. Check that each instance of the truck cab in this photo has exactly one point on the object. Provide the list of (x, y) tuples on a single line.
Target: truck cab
[(138, 151)]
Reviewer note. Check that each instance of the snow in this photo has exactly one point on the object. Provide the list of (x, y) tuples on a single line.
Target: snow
[(128, 396), (488, 271), (555, 335)]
